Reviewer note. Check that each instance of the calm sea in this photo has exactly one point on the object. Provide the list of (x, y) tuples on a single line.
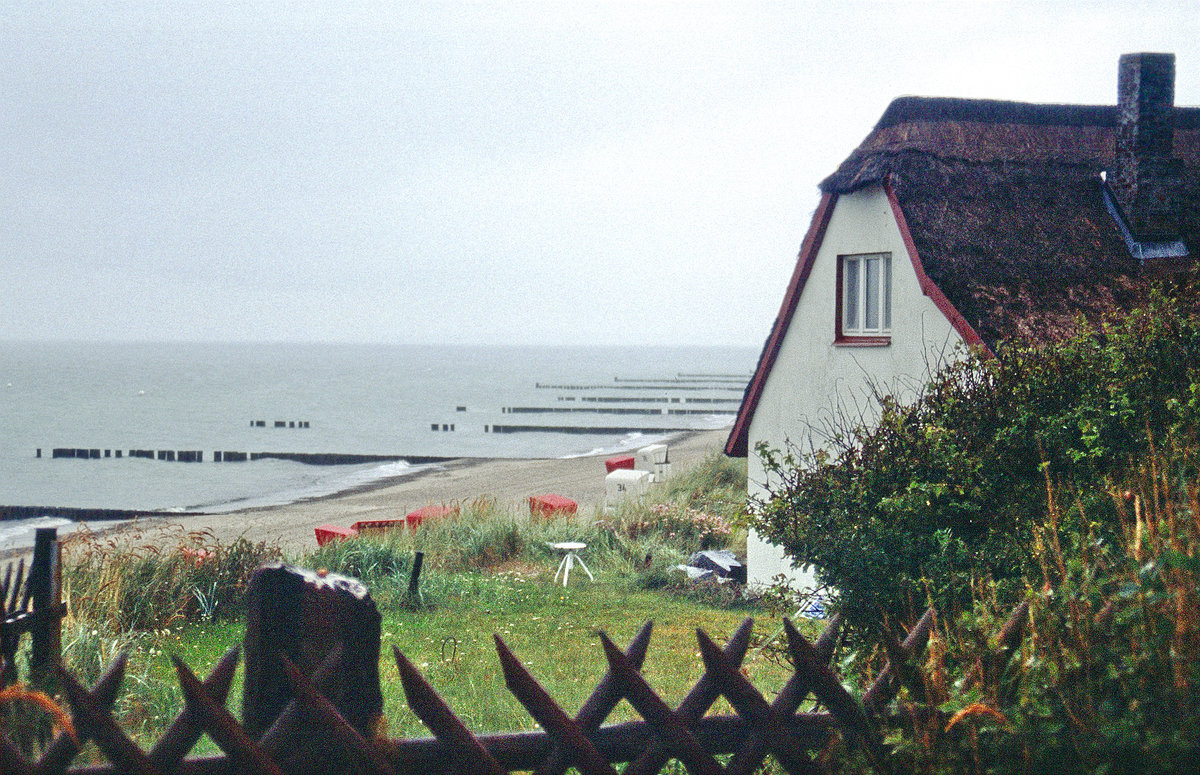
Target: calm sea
[(326, 398)]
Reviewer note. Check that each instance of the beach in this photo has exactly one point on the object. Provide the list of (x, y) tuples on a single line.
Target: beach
[(509, 481)]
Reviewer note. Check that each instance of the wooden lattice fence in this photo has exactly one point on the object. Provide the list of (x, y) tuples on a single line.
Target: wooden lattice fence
[(688, 733)]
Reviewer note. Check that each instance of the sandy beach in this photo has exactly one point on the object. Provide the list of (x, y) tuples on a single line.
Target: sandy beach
[(509, 481)]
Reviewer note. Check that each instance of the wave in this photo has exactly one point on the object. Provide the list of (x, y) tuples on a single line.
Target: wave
[(627, 442), (323, 483)]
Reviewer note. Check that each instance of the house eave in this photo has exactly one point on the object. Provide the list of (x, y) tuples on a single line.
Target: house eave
[(738, 443), (963, 328)]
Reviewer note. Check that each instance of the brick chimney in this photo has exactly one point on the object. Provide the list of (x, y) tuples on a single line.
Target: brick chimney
[(1145, 179)]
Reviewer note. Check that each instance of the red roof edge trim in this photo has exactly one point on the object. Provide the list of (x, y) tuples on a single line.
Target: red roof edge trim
[(928, 287), (738, 443)]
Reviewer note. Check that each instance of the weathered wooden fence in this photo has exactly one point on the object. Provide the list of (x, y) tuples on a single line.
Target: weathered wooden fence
[(688, 733), (32, 603)]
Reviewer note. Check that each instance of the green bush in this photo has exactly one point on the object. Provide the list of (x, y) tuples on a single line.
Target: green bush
[(945, 492), (1064, 475), (1106, 677)]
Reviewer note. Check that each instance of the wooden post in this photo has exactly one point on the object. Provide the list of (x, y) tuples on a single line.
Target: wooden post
[(306, 616), (45, 587), (414, 580)]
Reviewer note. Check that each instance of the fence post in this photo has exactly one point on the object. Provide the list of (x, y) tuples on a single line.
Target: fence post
[(307, 616), (414, 580), (45, 586)]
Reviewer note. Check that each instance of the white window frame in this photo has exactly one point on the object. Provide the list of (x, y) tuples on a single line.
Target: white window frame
[(865, 295)]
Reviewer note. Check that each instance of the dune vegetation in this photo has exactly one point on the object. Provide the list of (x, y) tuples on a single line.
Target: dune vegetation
[(1063, 475)]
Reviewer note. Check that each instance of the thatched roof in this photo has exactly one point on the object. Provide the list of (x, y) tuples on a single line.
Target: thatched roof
[(1005, 207), (1004, 203)]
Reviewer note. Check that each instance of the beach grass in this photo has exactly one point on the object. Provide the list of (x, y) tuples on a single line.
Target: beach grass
[(151, 576), (638, 541), (128, 583)]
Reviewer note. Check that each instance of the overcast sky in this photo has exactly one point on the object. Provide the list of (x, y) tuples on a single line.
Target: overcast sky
[(528, 173)]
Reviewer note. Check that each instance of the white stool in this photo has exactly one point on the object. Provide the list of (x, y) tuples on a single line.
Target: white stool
[(568, 560)]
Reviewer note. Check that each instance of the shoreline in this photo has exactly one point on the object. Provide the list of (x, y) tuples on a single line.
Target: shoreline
[(89, 514), (510, 481), (451, 464)]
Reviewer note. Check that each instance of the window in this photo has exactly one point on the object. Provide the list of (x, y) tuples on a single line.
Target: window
[(864, 314)]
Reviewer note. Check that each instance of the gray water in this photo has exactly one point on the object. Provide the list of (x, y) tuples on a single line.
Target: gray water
[(355, 399)]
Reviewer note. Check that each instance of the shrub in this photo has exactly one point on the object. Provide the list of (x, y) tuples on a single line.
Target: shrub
[(1106, 678), (946, 492)]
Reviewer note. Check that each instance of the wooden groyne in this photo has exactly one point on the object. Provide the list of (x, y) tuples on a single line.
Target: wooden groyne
[(338, 459), (281, 424), (582, 410), (658, 385), (77, 514), (681, 380), (232, 456), (626, 410), (579, 429)]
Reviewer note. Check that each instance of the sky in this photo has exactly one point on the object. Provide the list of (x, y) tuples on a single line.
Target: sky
[(475, 173)]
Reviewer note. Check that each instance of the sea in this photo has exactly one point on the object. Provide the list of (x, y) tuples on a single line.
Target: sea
[(110, 425)]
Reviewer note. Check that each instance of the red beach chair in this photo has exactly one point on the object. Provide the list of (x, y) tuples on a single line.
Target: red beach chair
[(195, 556), (415, 518), (327, 533), (613, 463), (376, 524), (546, 506)]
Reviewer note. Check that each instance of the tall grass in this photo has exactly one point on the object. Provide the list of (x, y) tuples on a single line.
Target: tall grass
[(143, 592), (1107, 678), (131, 582), (716, 484), (128, 582)]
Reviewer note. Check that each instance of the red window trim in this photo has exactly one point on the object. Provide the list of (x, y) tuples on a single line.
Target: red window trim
[(862, 341)]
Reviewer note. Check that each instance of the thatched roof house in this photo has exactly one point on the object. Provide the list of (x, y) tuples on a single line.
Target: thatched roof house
[(1006, 205), (1010, 219)]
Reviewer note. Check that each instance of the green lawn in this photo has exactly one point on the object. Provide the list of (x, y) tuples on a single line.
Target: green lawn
[(554, 631)]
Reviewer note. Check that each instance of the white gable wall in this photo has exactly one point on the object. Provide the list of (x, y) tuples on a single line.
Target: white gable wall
[(814, 381)]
